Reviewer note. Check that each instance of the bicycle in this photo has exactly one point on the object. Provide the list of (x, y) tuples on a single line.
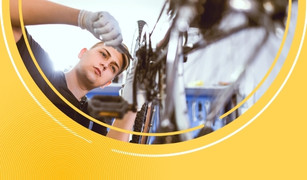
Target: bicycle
[(160, 69)]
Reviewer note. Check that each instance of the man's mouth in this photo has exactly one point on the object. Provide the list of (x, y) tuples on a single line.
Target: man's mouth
[(97, 71)]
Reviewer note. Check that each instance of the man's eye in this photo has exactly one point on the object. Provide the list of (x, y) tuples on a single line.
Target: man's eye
[(104, 54), (113, 69)]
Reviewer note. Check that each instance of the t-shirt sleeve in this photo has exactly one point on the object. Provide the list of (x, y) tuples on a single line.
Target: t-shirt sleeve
[(40, 55)]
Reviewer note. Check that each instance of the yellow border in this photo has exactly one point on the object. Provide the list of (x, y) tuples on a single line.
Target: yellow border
[(271, 147)]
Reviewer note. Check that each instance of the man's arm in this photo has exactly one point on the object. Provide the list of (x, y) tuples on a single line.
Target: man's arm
[(126, 123), (101, 24), (43, 12)]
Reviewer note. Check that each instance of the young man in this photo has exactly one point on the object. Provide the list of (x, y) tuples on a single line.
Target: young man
[(97, 67)]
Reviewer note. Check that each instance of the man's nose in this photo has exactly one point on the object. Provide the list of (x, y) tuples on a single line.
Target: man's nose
[(104, 65)]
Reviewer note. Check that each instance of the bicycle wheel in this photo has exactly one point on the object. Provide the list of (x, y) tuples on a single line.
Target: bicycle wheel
[(201, 72)]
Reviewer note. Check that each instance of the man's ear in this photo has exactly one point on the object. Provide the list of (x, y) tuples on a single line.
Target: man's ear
[(83, 50), (106, 84)]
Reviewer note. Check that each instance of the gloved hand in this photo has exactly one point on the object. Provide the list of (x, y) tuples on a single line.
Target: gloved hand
[(102, 25), (127, 91)]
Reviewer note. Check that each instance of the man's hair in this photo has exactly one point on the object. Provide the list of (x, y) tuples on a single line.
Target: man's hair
[(126, 60)]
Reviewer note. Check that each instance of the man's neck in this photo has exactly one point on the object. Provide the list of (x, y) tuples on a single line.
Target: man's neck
[(74, 85)]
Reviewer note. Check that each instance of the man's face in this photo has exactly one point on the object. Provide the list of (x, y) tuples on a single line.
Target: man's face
[(98, 65)]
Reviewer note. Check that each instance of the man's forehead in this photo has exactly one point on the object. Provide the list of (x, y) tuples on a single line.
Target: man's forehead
[(100, 44)]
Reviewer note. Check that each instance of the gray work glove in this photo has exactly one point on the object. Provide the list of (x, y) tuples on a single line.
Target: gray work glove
[(102, 25), (127, 91)]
